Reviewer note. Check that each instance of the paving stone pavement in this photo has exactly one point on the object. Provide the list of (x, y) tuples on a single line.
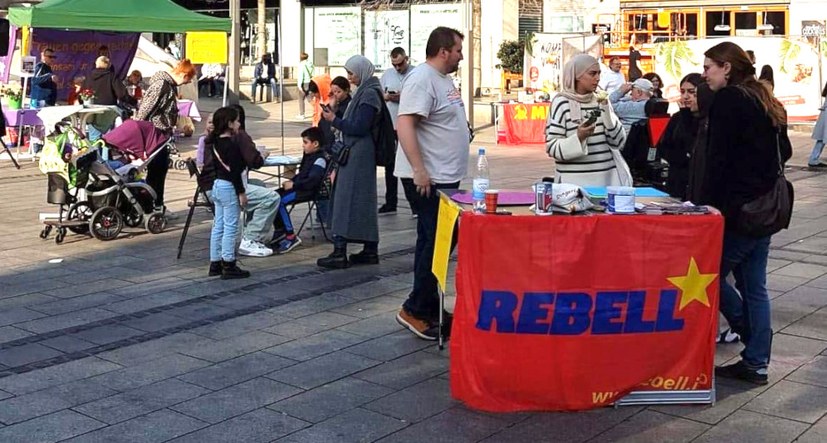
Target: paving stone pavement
[(121, 342)]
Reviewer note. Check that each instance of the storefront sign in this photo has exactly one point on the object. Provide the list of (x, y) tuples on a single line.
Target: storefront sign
[(570, 313), (384, 31), (76, 52), (339, 30), (424, 19), (794, 62), (207, 47)]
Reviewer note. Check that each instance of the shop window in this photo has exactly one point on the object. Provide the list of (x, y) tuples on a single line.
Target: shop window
[(778, 21), (717, 19), (745, 20)]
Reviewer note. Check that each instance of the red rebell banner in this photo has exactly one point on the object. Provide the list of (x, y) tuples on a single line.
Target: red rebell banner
[(570, 313), (525, 123)]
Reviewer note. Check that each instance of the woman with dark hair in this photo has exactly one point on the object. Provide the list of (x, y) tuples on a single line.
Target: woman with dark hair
[(747, 135), (767, 75), (353, 217), (657, 84), (677, 144), (160, 106)]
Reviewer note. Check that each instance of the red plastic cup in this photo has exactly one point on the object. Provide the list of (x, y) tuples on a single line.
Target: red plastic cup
[(491, 196)]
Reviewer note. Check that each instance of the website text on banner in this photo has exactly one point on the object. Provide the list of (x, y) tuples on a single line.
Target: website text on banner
[(570, 313), (525, 123), (76, 52)]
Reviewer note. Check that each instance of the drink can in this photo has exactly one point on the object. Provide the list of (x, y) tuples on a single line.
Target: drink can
[(542, 198)]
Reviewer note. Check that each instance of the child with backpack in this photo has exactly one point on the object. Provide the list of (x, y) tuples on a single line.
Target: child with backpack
[(228, 194), (303, 186)]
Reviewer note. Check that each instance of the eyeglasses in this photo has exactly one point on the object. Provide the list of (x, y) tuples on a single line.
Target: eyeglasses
[(48, 56)]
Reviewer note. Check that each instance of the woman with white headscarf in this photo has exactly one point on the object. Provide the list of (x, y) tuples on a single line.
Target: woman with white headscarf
[(586, 152), (353, 215)]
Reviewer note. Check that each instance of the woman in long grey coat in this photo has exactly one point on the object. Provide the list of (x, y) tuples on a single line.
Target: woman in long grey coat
[(353, 218)]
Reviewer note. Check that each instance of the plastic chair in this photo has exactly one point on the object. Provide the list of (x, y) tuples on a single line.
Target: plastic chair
[(196, 202)]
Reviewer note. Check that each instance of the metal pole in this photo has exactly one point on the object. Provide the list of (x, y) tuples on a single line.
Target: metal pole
[(468, 67), (235, 52), (281, 76)]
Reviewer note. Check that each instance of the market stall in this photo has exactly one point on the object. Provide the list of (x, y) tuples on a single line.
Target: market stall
[(522, 123), (575, 312)]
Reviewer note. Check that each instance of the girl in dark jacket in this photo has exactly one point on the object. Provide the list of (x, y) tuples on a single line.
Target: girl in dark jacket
[(747, 135), (678, 141)]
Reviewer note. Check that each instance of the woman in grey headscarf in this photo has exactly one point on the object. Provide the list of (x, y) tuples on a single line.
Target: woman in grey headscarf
[(353, 216), (586, 152)]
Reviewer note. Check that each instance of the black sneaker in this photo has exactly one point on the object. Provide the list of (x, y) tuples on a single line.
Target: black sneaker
[(364, 258), (230, 270), (385, 209), (278, 236), (215, 268), (740, 371)]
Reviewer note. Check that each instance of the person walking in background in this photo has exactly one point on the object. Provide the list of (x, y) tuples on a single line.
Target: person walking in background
[(265, 75), (305, 75), (44, 86), (160, 106), (819, 134), (747, 135), (613, 78), (318, 94), (677, 144), (391, 82), (353, 206), (433, 134), (583, 134), (228, 194)]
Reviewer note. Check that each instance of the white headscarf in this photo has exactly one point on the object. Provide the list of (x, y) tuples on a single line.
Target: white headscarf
[(577, 66)]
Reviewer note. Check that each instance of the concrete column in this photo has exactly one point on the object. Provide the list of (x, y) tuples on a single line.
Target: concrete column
[(292, 32), (499, 23)]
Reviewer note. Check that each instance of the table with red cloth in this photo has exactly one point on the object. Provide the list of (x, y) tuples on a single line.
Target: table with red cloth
[(577, 312), (523, 123)]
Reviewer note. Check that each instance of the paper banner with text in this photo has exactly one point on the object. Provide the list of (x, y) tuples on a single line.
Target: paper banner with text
[(547, 53), (570, 313), (76, 52), (446, 221)]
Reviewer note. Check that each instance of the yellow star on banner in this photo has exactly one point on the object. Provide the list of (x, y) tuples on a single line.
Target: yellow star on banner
[(693, 285)]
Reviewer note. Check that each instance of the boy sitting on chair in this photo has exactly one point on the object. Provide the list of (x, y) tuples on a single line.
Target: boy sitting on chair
[(302, 187)]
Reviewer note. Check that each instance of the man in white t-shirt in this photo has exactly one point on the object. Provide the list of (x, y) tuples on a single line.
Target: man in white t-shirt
[(392, 85), (613, 78), (433, 134)]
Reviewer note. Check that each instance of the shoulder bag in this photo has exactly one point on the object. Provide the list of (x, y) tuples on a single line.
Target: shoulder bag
[(771, 212)]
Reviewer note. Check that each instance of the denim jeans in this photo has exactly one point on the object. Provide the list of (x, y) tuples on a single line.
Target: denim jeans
[(747, 309), (814, 156), (262, 207), (225, 223), (274, 85), (423, 301)]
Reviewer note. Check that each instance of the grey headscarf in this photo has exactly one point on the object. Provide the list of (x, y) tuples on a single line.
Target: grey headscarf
[(361, 67)]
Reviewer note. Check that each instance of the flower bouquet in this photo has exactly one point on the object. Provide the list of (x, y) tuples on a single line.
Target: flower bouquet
[(87, 96), (14, 93)]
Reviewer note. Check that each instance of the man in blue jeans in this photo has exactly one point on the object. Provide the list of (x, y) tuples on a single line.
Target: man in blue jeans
[(265, 75), (433, 133)]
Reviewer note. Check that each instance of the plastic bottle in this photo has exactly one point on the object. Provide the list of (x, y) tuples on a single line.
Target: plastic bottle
[(481, 181)]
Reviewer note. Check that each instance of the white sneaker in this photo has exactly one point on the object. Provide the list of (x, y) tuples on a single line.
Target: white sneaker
[(300, 117), (252, 248)]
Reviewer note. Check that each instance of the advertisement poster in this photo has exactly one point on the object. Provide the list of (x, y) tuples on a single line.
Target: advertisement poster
[(384, 31), (547, 53), (794, 62), (424, 18), (340, 31)]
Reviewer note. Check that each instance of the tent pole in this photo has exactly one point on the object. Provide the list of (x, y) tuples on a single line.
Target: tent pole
[(235, 49), (281, 78)]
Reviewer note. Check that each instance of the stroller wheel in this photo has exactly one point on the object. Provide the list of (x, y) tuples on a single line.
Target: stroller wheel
[(81, 211), (61, 234), (180, 164), (171, 163), (106, 223), (133, 219), (156, 223), (44, 234)]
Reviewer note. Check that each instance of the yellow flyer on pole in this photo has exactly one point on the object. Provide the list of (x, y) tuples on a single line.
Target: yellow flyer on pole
[(207, 47), (448, 213)]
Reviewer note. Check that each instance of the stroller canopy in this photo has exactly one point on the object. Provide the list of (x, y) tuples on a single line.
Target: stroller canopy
[(138, 138)]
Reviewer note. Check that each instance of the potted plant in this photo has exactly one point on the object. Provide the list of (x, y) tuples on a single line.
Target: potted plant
[(511, 55), (87, 97), (14, 94)]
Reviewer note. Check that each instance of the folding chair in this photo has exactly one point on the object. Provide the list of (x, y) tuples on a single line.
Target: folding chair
[(203, 202), (323, 193), (5, 146)]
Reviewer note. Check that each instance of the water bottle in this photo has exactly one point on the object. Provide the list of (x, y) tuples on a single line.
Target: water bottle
[(481, 181)]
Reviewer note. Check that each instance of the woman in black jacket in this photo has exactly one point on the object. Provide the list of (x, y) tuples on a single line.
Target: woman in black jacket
[(678, 140), (747, 142)]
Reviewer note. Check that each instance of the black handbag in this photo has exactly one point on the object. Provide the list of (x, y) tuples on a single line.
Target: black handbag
[(344, 154), (771, 212)]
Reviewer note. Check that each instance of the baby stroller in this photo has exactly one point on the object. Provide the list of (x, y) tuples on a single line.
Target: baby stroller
[(115, 196)]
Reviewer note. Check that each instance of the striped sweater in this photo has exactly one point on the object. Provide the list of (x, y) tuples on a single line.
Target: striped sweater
[(592, 163)]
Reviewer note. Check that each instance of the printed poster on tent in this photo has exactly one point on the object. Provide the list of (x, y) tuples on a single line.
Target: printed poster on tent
[(794, 62)]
